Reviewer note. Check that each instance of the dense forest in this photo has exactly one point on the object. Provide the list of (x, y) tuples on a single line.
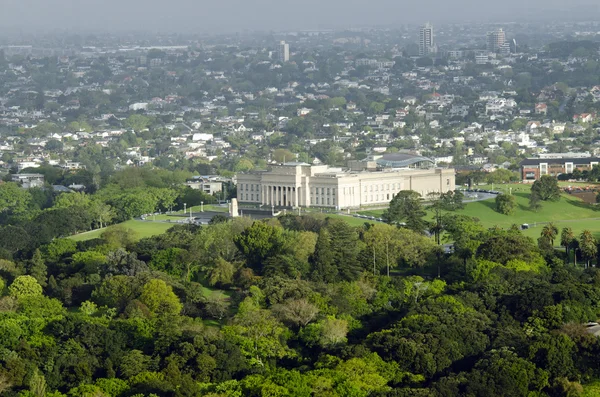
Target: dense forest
[(298, 306)]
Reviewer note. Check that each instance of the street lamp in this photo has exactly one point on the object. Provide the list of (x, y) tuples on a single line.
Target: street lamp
[(184, 208), (201, 206)]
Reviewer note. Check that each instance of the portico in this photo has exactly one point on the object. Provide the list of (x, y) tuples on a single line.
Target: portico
[(280, 195)]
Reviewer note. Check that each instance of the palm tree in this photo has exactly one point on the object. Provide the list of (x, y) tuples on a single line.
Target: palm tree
[(549, 232), (588, 246), (566, 240)]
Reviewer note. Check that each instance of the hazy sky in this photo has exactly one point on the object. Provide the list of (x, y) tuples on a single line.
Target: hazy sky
[(238, 15)]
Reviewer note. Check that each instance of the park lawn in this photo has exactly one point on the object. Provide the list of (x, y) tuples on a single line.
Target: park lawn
[(216, 293), (349, 219), (569, 211), (568, 208), (141, 229)]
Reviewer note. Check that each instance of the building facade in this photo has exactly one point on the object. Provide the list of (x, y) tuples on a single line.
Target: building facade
[(426, 40), (283, 51), (496, 40), (304, 185), (533, 169)]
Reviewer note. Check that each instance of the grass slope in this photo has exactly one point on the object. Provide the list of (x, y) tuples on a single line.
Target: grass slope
[(141, 228), (569, 211)]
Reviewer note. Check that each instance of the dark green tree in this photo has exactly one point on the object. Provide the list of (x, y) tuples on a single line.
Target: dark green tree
[(546, 188), (406, 207), (37, 268), (506, 204)]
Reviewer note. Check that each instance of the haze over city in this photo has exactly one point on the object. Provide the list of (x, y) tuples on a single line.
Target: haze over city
[(237, 15)]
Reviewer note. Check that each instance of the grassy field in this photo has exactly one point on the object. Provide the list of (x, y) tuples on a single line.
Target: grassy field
[(568, 212), (352, 221), (142, 229)]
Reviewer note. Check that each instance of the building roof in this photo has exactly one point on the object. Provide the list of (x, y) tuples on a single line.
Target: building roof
[(399, 160), (574, 160), (295, 163)]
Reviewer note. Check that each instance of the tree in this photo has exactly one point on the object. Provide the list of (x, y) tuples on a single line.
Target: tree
[(535, 202), (259, 242), (388, 247), (406, 207), (222, 273), (24, 286), (260, 336), (567, 237), (160, 298), (283, 155), (503, 246), (133, 363), (506, 204), (137, 122), (37, 384), (549, 233), (588, 246), (37, 268), (116, 291), (546, 188), (503, 373), (296, 312), (13, 199), (323, 266)]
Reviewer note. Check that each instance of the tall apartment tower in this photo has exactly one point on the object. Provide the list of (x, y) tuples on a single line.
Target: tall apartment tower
[(283, 52), (496, 40), (426, 40)]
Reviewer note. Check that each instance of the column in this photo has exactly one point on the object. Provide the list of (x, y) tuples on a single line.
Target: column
[(296, 203), (270, 194), (279, 191), (273, 195)]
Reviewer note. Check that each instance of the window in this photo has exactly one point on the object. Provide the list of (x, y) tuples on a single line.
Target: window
[(252, 188), (328, 200), (333, 191), (312, 200), (328, 191), (388, 196), (246, 196), (448, 181), (322, 190), (317, 200)]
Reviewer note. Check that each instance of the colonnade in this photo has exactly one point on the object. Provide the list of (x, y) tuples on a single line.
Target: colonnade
[(280, 195)]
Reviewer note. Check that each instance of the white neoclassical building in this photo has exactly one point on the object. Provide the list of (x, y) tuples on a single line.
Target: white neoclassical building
[(304, 185)]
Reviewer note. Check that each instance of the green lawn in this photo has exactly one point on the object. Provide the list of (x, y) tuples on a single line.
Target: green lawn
[(216, 293), (141, 228), (568, 212), (352, 221)]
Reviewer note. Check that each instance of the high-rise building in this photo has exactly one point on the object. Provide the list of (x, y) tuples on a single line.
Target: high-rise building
[(426, 40), (283, 52), (496, 40)]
